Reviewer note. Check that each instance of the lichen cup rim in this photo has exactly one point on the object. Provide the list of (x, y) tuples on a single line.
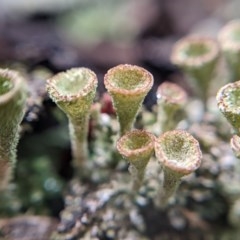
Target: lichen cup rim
[(227, 43), (147, 76), (17, 81), (127, 153), (224, 92), (187, 165), (181, 97), (178, 58), (51, 85)]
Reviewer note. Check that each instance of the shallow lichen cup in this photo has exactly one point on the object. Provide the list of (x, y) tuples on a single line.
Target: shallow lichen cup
[(136, 147), (179, 154), (197, 56), (73, 91), (128, 85), (229, 39), (13, 96)]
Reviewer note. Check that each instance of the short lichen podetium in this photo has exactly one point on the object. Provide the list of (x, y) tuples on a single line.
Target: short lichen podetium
[(137, 147), (73, 91), (229, 39), (228, 100), (171, 99), (197, 56), (13, 95), (179, 154), (128, 85)]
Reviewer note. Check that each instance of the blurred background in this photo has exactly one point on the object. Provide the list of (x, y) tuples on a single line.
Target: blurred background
[(99, 34)]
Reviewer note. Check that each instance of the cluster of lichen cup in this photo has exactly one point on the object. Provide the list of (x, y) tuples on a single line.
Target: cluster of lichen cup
[(74, 92), (177, 151)]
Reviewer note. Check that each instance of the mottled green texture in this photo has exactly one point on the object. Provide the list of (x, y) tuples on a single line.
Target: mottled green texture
[(12, 105), (171, 99), (229, 39), (228, 99), (128, 85), (179, 154), (74, 91), (137, 148), (198, 58)]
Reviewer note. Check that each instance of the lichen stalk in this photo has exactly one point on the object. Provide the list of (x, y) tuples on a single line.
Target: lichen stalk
[(198, 57), (168, 188), (137, 147), (229, 39), (74, 91), (171, 99), (179, 154), (128, 85), (13, 95)]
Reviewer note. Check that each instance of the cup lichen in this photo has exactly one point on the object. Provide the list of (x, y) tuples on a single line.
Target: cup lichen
[(73, 91), (13, 96), (228, 103), (137, 147), (171, 99), (179, 154), (128, 85), (229, 39), (197, 56)]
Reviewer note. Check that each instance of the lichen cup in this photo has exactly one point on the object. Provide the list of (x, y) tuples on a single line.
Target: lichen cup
[(229, 39), (74, 91), (137, 147), (179, 154), (128, 85), (198, 57), (228, 100), (171, 99), (13, 94)]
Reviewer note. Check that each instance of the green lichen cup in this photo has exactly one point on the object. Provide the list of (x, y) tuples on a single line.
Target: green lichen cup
[(228, 100), (171, 99), (198, 57), (128, 85), (229, 39), (13, 96), (137, 147), (74, 91), (179, 154)]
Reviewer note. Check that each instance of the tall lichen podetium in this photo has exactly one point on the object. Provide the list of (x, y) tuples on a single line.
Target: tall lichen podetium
[(137, 147), (179, 154), (13, 95), (228, 99), (229, 39), (171, 99), (128, 85), (73, 91), (197, 56)]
